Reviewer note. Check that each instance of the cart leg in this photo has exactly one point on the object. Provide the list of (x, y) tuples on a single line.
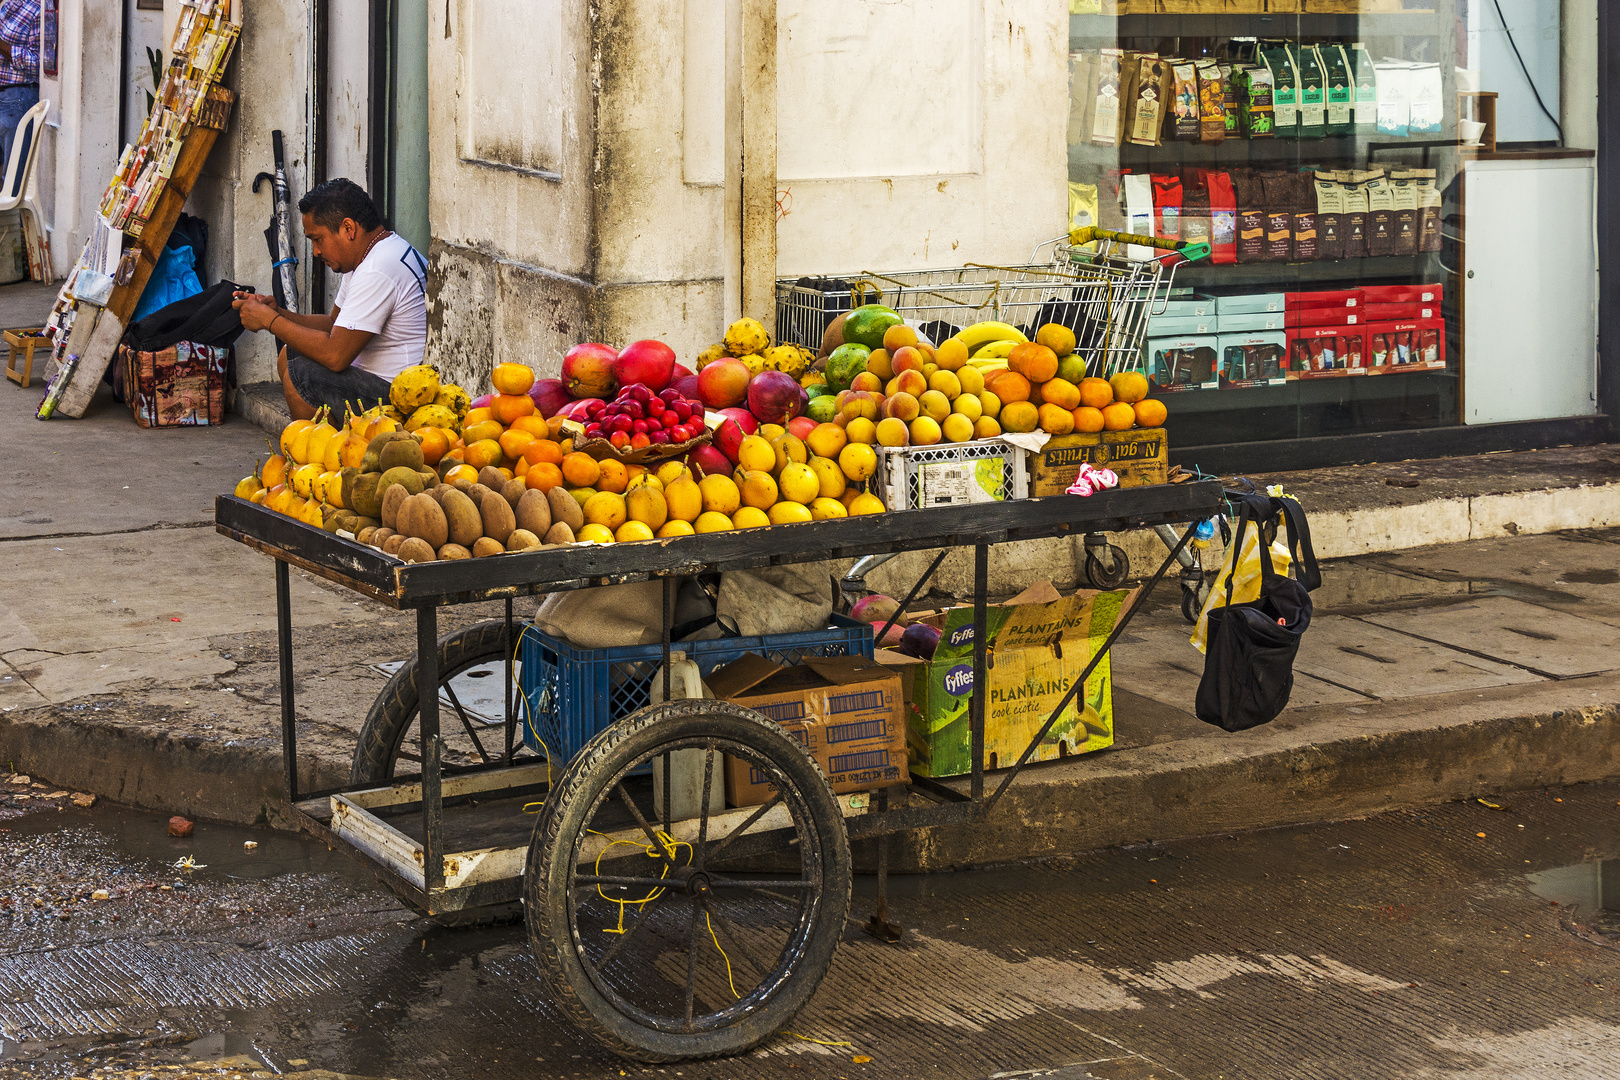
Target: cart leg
[(284, 647), (427, 666), (510, 648), (879, 925), (981, 587)]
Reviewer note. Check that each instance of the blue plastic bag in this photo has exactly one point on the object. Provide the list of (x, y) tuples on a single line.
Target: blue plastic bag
[(174, 278)]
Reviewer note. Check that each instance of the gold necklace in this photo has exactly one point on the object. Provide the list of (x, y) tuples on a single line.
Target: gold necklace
[(382, 235)]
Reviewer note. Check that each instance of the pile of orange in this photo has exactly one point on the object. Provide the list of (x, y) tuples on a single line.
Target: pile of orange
[(1033, 396)]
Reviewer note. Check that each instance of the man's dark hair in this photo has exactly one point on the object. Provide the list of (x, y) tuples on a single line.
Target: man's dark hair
[(329, 203)]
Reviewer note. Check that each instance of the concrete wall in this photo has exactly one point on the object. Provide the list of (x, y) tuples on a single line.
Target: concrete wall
[(80, 148), (560, 217)]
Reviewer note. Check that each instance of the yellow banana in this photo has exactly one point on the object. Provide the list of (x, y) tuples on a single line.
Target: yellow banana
[(980, 333), (996, 350)]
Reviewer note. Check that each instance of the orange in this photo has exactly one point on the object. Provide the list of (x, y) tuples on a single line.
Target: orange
[(510, 407), (435, 444), (1096, 393), (274, 472), (1008, 386), (1019, 416), (1088, 419), (1060, 392), (881, 364), (1129, 386), (985, 427), (511, 379), (580, 470), (521, 469), (542, 476), (1034, 362), (1150, 412), (1055, 419), (952, 354), (483, 452), (1057, 337), (535, 425), (484, 429), (464, 472), (477, 416), (542, 450), (1118, 417), (514, 442), (632, 530), (612, 475)]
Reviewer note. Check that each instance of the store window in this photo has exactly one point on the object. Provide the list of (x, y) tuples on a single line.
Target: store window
[(1399, 195)]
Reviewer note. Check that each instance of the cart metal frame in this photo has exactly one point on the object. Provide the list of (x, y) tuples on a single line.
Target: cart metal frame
[(437, 881)]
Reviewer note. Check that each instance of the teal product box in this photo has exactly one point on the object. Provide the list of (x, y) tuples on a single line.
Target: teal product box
[(1185, 306), (1254, 359), (1250, 303), (1165, 326), (1249, 322)]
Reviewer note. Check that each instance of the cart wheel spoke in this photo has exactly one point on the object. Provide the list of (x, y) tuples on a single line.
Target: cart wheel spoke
[(466, 723), (753, 818), (723, 929), (703, 807), (652, 838), (759, 886), (625, 882), (691, 962), (624, 939)]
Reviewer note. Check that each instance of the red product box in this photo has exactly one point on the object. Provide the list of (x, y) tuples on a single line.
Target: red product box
[(1397, 347), (1340, 298), (1402, 294), (1322, 316), (1318, 352), (1399, 312)]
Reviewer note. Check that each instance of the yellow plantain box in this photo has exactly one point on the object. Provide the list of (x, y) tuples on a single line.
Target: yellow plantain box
[(1141, 456)]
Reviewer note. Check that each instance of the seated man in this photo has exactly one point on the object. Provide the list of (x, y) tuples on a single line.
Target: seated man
[(378, 324)]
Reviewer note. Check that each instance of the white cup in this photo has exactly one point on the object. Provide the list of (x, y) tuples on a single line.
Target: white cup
[(1472, 131)]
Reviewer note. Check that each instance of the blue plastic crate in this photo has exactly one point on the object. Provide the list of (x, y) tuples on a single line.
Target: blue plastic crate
[(574, 693)]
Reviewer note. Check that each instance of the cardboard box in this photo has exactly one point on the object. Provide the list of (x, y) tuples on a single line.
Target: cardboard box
[(1040, 642), (848, 711), (1316, 352), (1248, 303), (1335, 298), (1180, 325), (1184, 306), (1182, 363), (1323, 316), (1254, 359), (1402, 294), (1141, 456), (1397, 347), (1250, 323), (1399, 312)]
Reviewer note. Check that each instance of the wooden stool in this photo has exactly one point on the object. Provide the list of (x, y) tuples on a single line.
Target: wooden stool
[(24, 341)]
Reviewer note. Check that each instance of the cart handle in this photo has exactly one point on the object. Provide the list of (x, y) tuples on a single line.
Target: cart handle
[(1189, 251)]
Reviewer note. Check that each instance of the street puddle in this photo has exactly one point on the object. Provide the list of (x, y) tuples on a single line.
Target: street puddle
[(1589, 887)]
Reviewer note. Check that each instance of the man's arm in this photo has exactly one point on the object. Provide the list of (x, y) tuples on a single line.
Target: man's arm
[(332, 347), (314, 322)]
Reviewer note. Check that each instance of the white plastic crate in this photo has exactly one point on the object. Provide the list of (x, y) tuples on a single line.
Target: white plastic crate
[(951, 474)]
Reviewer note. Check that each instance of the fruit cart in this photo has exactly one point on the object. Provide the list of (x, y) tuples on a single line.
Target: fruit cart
[(666, 935)]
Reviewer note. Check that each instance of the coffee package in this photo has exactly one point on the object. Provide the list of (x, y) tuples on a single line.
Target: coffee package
[(1184, 115), (1356, 212), (1082, 92), (1083, 208), (1277, 189), (1256, 118), (1195, 221), (1364, 78), (1312, 92), (1403, 199), (1231, 100), (1105, 109), (1425, 101), (1329, 215), (1148, 92), (1429, 202), (1304, 224), (1380, 216), (1279, 62), (1211, 102), (1223, 217), (1341, 90), (1394, 98), (1251, 216), (1136, 190), (1167, 200)]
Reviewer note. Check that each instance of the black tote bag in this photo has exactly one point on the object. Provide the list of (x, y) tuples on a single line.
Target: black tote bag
[(1250, 648)]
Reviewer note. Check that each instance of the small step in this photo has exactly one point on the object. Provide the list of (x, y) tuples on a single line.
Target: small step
[(263, 405)]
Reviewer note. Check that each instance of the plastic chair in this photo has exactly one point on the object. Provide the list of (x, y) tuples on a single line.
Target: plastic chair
[(21, 184)]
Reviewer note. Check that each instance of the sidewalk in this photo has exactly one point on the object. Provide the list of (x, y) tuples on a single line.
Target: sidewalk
[(137, 649)]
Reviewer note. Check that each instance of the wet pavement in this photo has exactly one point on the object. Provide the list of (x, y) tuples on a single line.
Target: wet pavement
[(1468, 940)]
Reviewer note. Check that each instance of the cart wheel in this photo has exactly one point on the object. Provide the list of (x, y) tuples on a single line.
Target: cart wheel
[(383, 743), (1102, 577), (658, 939), (1191, 604)]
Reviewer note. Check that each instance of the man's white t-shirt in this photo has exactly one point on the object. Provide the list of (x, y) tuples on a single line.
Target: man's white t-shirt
[(386, 295)]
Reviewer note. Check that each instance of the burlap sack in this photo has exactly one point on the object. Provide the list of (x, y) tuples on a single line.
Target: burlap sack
[(777, 600), (605, 617)]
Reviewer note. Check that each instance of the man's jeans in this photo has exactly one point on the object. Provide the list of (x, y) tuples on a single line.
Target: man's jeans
[(14, 101)]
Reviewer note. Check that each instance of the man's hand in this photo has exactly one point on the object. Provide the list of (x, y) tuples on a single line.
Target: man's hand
[(243, 297), (256, 314)]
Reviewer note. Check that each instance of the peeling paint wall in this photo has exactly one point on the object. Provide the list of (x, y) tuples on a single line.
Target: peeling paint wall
[(79, 148)]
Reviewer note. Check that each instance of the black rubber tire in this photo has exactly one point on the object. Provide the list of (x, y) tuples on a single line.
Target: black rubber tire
[(568, 812), (394, 712), (1099, 575), (1190, 605)]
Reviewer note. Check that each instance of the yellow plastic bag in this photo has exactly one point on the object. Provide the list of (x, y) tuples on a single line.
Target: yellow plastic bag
[(1246, 586)]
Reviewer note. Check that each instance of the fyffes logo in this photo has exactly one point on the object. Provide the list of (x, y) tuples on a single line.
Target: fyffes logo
[(962, 635), (959, 680)]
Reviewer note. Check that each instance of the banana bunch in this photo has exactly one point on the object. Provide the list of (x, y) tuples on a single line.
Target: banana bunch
[(988, 343)]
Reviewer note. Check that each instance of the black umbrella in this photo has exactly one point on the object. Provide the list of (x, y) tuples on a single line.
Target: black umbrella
[(278, 235)]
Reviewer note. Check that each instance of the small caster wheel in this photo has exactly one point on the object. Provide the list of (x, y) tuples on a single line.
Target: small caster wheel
[(1191, 604), (1106, 577)]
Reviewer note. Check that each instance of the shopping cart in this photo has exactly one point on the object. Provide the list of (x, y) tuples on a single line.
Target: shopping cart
[(1102, 285)]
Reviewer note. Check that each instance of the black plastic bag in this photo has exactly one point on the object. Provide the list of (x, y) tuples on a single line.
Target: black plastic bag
[(1250, 648)]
